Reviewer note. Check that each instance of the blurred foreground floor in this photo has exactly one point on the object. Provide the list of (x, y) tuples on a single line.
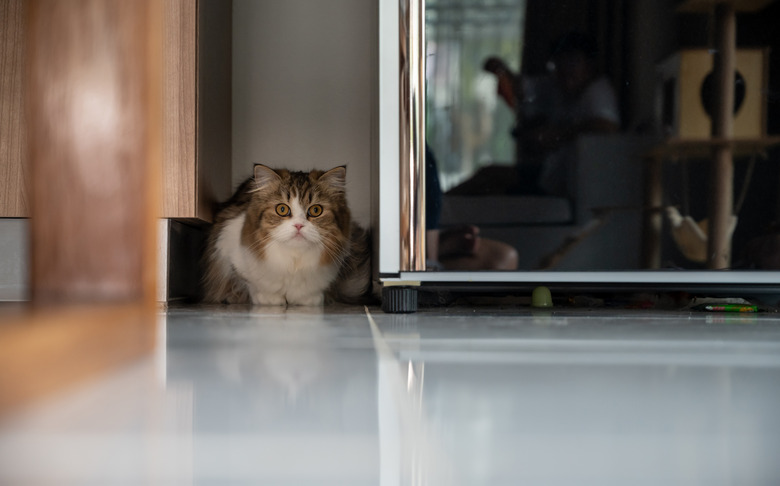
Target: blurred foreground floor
[(454, 396)]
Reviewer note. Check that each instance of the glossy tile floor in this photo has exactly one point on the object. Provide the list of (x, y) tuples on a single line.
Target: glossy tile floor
[(452, 396)]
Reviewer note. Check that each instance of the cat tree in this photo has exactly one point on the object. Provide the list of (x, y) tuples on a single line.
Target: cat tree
[(722, 145)]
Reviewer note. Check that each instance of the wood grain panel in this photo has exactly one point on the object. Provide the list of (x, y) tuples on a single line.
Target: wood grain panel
[(197, 108), (93, 98), (13, 167), (180, 106)]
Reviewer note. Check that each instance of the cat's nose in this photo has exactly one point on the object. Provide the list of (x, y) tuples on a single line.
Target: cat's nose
[(298, 226)]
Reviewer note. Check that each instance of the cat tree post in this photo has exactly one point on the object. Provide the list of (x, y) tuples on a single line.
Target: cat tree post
[(722, 192)]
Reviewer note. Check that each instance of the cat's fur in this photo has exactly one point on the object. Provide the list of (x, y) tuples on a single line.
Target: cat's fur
[(255, 255)]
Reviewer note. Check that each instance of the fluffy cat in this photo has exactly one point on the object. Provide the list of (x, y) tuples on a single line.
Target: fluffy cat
[(287, 238)]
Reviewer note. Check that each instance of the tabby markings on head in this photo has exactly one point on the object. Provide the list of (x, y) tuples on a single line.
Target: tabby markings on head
[(298, 210)]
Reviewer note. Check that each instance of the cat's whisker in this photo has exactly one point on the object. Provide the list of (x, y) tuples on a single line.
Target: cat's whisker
[(334, 251), (260, 243)]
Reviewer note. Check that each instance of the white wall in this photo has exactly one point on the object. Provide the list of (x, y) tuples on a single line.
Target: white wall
[(302, 89)]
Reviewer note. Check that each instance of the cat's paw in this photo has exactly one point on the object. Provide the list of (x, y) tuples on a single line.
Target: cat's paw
[(310, 301), (268, 299)]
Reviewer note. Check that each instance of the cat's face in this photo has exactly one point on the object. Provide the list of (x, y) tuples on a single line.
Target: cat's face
[(299, 210)]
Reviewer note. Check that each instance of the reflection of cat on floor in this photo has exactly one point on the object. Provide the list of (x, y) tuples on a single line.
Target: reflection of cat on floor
[(290, 361), (291, 370), (287, 238)]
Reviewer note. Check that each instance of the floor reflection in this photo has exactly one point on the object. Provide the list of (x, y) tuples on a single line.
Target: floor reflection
[(492, 396)]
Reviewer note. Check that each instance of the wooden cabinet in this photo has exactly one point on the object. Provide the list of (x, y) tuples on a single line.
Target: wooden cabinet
[(197, 108), (13, 187)]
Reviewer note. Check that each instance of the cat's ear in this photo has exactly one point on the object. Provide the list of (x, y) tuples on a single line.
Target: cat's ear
[(335, 178), (265, 176)]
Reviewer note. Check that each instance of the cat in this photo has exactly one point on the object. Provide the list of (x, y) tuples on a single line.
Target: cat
[(287, 238)]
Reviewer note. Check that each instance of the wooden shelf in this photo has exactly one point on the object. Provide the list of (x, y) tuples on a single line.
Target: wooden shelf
[(684, 148), (698, 6)]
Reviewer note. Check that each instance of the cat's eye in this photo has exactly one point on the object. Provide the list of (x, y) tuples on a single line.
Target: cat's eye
[(283, 210), (315, 211)]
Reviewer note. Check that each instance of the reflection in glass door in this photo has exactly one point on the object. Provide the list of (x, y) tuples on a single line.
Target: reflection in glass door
[(467, 123)]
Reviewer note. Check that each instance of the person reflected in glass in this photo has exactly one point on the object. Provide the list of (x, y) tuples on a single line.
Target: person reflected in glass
[(572, 99), (459, 247)]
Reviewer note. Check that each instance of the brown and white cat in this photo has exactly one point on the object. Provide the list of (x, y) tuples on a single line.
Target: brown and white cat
[(287, 238)]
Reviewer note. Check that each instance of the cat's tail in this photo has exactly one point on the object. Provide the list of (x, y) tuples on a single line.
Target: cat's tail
[(354, 284)]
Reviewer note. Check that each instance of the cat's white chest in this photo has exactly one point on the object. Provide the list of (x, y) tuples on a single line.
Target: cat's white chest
[(289, 274)]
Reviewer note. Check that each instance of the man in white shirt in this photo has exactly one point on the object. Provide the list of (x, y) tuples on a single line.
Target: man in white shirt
[(558, 107), (553, 110)]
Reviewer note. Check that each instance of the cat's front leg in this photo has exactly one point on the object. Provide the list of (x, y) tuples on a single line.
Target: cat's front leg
[(310, 300), (263, 298)]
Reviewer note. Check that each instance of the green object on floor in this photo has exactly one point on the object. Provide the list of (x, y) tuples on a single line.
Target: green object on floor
[(541, 297)]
